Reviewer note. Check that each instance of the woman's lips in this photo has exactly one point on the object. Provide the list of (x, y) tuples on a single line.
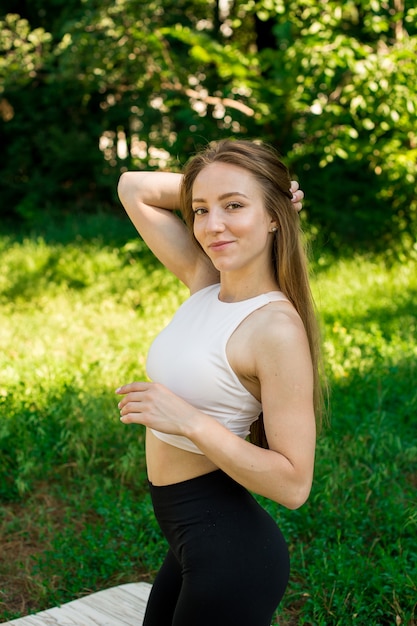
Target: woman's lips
[(219, 245)]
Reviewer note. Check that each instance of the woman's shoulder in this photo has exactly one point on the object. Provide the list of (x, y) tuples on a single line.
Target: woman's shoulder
[(267, 340), (265, 328), (275, 324)]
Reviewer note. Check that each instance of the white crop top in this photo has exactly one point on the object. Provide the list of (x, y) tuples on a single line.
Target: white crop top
[(189, 358)]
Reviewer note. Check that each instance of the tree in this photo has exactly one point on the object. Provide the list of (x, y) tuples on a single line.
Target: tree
[(143, 84)]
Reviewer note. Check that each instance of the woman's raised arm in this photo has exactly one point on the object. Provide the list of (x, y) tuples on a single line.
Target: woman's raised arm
[(151, 199)]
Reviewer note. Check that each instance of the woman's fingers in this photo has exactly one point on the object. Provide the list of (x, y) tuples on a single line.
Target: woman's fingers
[(297, 195)]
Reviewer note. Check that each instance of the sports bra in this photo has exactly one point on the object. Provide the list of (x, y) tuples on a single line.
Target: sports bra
[(189, 358)]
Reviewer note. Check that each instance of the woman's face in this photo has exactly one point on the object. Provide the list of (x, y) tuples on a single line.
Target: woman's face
[(231, 223)]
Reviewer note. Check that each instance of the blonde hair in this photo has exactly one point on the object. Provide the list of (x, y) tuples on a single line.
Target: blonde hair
[(289, 258)]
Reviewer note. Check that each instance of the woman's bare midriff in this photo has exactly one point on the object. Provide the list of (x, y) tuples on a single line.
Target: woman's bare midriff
[(168, 465)]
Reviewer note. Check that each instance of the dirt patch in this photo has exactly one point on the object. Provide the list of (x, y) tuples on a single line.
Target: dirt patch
[(25, 532)]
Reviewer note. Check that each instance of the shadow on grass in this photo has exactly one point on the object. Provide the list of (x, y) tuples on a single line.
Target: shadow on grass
[(72, 257)]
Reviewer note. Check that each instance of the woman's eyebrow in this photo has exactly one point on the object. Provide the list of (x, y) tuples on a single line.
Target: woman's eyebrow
[(223, 196)]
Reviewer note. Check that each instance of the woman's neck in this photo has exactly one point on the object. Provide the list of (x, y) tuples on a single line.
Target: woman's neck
[(233, 290)]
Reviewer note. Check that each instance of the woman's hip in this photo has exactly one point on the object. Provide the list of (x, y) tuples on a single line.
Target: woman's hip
[(213, 517)]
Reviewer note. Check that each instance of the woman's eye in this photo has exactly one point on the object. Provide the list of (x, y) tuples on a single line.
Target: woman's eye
[(199, 211), (233, 205)]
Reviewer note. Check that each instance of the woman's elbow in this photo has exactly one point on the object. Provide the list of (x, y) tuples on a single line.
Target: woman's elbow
[(124, 185), (297, 495), (296, 502)]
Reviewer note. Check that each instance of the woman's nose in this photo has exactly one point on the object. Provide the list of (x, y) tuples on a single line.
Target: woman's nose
[(215, 222)]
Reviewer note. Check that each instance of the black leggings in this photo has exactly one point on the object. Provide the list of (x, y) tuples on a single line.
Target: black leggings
[(228, 563)]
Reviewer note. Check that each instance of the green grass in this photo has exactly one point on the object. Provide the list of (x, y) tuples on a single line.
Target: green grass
[(78, 310)]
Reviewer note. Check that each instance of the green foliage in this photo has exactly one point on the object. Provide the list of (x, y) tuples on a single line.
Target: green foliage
[(92, 88), (110, 542), (78, 312)]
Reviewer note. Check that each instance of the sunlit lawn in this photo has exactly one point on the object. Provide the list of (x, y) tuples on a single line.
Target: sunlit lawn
[(76, 319)]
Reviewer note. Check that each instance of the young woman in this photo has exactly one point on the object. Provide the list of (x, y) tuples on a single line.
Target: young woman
[(241, 351)]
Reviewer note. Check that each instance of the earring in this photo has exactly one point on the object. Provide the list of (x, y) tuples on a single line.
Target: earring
[(274, 229)]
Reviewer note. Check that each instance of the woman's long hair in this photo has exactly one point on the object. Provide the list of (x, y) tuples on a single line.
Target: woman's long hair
[(289, 258)]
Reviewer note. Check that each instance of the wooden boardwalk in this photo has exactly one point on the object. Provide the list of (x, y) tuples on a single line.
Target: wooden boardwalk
[(117, 606)]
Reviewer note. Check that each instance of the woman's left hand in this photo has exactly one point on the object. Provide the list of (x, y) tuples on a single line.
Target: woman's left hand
[(297, 195), (153, 405)]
